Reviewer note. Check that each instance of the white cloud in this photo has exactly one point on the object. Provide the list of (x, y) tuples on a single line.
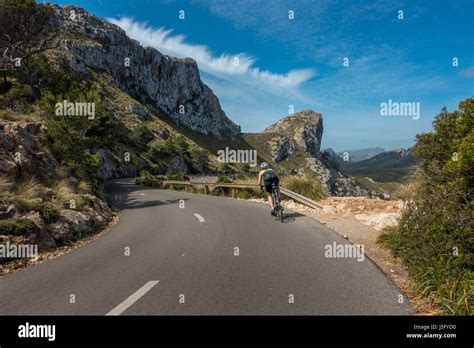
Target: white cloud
[(223, 66)]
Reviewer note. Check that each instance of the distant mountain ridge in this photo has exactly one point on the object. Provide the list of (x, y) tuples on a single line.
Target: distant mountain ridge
[(361, 154), (394, 165)]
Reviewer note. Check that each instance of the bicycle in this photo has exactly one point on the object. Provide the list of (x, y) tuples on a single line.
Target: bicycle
[(277, 208)]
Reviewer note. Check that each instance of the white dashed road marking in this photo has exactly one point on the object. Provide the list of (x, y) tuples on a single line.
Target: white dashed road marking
[(199, 217), (133, 298)]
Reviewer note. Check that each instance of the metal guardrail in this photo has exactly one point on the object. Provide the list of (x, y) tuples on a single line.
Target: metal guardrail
[(210, 185)]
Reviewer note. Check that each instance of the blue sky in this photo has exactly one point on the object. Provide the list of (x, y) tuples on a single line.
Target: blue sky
[(299, 61)]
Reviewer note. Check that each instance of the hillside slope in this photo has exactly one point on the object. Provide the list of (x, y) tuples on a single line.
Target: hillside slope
[(154, 114)]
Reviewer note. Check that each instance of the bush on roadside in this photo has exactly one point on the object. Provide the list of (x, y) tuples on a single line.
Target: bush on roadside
[(48, 212), (199, 159), (224, 179), (435, 236), (16, 226)]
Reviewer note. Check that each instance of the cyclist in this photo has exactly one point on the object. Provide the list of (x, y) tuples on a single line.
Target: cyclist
[(269, 177)]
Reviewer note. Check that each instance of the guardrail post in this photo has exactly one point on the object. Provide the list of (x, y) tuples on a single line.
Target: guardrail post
[(233, 193)]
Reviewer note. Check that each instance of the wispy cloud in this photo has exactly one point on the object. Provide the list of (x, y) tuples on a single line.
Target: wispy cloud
[(223, 66)]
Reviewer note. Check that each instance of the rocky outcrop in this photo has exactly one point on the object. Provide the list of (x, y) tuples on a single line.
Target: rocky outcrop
[(170, 87), (337, 183), (281, 148), (297, 138), (303, 129), (21, 152), (23, 155), (39, 236), (74, 223), (177, 165), (112, 168)]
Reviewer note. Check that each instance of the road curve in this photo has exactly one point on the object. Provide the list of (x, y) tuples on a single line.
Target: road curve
[(193, 254)]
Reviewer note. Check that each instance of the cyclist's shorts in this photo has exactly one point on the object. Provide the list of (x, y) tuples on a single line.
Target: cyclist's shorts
[(268, 183)]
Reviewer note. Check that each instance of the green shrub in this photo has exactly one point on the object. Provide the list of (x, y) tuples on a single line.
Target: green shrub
[(85, 201), (220, 191), (224, 179), (17, 97), (200, 160), (48, 212), (17, 226), (74, 137), (140, 137), (177, 176), (149, 180), (435, 236)]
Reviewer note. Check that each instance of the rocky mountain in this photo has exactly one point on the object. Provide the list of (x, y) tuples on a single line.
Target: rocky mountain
[(394, 165), (166, 85), (302, 131), (294, 145), (152, 112)]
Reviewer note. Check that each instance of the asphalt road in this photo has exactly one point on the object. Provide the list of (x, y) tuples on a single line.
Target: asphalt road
[(183, 261)]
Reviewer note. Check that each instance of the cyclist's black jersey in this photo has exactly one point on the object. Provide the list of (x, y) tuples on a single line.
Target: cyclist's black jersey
[(269, 175), (269, 178)]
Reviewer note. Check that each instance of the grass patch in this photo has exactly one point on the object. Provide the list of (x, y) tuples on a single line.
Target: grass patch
[(63, 192), (17, 226), (48, 212), (6, 185), (28, 190), (305, 186)]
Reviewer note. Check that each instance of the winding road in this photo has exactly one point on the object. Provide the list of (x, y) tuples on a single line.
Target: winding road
[(176, 253)]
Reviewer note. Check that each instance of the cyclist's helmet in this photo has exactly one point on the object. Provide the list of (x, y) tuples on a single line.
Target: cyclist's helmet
[(265, 165)]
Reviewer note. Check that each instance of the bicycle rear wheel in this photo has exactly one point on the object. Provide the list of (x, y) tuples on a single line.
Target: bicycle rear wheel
[(280, 214)]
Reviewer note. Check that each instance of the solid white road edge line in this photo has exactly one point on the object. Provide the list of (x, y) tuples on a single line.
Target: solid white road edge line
[(200, 218), (133, 298)]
